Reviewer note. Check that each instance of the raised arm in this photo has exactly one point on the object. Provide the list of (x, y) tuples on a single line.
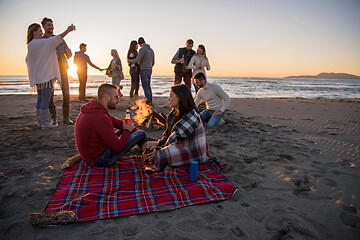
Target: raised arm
[(69, 29)]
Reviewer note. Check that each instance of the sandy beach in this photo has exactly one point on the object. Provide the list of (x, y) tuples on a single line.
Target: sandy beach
[(295, 163)]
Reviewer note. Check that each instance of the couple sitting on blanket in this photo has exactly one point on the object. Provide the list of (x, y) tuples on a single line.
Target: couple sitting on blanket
[(183, 141)]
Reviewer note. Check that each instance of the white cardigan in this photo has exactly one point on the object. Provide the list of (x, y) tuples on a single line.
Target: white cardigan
[(41, 60)]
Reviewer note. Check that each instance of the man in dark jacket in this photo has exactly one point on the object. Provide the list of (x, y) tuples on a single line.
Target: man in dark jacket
[(181, 60)]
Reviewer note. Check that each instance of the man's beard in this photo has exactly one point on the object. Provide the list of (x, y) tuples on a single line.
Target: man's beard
[(111, 105)]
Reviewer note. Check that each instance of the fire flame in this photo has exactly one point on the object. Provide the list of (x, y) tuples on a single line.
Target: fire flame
[(143, 110)]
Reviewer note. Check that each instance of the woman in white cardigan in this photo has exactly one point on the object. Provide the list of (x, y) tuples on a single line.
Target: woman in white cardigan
[(43, 69), (198, 62)]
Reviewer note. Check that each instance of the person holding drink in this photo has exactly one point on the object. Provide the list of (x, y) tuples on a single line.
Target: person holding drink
[(198, 63), (97, 142), (43, 69), (181, 60), (184, 139), (114, 69)]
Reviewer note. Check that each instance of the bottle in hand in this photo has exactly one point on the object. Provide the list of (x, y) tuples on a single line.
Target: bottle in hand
[(127, 117)]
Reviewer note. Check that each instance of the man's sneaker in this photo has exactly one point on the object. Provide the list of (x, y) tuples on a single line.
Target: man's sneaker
[(53, 121)]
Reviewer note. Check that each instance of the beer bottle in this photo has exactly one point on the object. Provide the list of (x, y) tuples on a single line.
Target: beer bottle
[(127, 117)]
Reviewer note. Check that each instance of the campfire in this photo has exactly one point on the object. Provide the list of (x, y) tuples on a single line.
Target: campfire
[(145, 116)]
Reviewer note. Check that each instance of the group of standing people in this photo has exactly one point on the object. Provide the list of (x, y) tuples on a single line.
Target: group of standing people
[(184, 139), (51, 65), (140, 62), (188, 63), (191, 65)]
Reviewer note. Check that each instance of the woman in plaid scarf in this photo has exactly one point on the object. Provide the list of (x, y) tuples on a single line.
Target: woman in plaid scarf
[(184, 139)]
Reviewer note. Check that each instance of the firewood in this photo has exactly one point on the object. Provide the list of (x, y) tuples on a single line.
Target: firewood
[(150, 121), (56, 218), (159, 117), (71, 161)]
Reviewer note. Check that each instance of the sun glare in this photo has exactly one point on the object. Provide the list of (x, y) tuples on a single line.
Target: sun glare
[(72, 70)]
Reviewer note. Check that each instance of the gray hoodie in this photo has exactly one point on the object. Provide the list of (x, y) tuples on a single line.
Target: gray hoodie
[(145, 58)]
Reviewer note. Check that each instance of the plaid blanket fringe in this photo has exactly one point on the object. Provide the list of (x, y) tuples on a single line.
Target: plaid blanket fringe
[(124, 189)]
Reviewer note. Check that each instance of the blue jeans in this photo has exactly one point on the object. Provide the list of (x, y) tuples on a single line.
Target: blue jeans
[(110, 157), (213, 120), (43, 98), (145, 82)]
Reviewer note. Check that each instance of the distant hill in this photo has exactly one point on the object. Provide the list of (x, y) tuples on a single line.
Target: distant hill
[(329, 76)]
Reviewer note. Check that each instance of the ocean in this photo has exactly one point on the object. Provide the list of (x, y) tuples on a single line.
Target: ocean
[(236, 87)]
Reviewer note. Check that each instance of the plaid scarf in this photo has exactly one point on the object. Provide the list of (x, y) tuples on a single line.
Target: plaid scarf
[(186, 143)]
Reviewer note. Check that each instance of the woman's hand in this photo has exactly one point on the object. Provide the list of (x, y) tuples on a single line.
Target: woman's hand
[(150, 156)]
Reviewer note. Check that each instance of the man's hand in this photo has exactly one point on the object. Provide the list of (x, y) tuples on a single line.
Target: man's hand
[(129, 126), (218, 112), (71, 28)]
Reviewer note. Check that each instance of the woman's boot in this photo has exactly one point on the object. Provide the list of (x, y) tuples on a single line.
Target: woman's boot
[(38, 118), (45, 121)]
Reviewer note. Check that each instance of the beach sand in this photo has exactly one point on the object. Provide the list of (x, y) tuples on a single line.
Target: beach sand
[(295, 163)]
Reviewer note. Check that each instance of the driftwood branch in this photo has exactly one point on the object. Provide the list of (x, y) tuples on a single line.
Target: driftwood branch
[(71, 161), (56, 218)]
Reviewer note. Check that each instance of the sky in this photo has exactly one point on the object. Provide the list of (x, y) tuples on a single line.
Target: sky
[(243, 38)]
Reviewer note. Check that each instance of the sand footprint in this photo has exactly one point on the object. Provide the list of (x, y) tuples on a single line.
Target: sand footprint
[(349, 216)]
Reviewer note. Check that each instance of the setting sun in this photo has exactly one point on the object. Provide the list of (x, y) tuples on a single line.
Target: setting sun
[(72, 70)]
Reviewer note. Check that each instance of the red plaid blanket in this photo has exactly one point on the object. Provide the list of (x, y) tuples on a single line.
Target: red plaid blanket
[(124, 189)]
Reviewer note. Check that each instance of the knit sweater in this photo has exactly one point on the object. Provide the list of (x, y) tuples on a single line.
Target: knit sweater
[(42, 62), (94, 132), (196, 60), (214, 96)]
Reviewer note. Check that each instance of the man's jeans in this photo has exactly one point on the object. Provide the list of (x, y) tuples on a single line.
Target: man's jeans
[(145, 82), (66, 96), (110, 157), (213, 120), (82, 75)]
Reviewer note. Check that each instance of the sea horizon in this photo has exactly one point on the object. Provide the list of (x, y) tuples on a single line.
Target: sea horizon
[(236, 87)]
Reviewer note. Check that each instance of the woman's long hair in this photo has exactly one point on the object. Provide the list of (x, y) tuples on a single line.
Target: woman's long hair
[(186, 101), (30, 33), (204, 51), (115, 52), (132, 48)]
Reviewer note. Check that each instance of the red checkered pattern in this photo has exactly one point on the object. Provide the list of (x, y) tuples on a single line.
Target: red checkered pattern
[(124, 189)]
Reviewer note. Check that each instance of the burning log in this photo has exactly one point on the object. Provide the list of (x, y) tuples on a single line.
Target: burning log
[(154, 119), (145, 116)]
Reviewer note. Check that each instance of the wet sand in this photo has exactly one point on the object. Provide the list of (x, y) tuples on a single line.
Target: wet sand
[(294, 161)]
